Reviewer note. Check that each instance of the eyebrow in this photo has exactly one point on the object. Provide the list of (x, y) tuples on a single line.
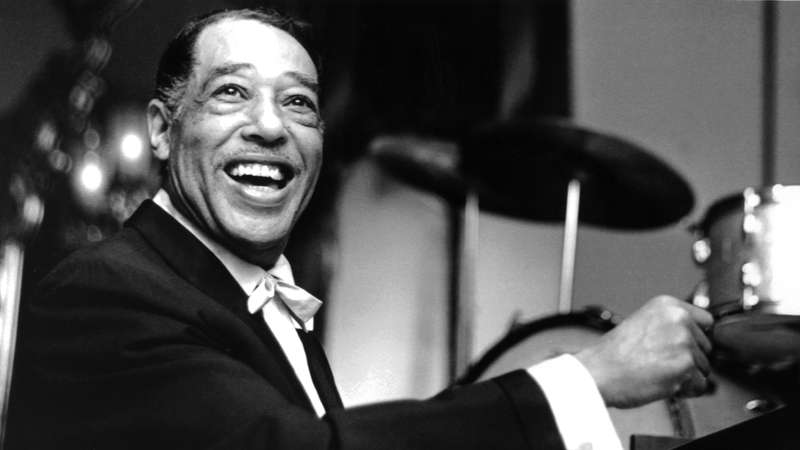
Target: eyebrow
[(227, 69), (305, 80)]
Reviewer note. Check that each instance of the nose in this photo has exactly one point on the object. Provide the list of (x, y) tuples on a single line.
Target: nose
[(266, 124)]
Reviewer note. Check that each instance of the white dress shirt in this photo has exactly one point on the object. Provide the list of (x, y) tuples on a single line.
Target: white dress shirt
[(578, 408)]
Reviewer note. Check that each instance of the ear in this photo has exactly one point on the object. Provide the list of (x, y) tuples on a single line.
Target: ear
[(159, 124)]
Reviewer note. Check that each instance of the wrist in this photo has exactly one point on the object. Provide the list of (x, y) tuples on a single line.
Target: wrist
[(588, 358)]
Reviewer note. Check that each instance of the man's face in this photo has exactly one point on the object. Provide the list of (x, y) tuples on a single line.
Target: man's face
[(245, 148)]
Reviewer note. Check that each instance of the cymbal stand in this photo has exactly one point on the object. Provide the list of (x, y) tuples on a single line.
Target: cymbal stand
[(11, 259), (568, 247), (462, 288), (15, 233)]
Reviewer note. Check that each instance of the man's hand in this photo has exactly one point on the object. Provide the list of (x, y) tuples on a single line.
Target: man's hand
[(657, 352)]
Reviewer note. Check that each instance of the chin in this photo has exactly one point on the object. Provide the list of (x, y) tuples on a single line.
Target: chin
[(258, 234)]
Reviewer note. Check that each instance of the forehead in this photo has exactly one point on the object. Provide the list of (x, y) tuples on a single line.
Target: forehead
[(271, 51)]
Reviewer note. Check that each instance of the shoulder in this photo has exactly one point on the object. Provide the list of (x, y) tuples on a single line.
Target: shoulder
[(122, 250), (121, 262)]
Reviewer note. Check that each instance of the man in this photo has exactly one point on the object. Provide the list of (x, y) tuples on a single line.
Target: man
[(186, 331)]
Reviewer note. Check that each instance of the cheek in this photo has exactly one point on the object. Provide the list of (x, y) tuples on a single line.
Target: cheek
[(310, 140), (191, 168), (200, 149)]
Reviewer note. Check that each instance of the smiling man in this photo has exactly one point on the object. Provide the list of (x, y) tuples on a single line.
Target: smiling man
[(186, 330), (243, 141)]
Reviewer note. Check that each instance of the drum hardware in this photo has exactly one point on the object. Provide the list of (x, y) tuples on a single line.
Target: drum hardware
[(759, 406), (746, 245), (590, 318), (738, 392), (429, 163), (569, 245), (523, 168), (24, 212), (501, 187), (531, 163), (433, 164)]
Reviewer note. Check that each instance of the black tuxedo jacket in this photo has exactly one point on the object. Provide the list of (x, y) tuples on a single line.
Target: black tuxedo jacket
[(144, 341)]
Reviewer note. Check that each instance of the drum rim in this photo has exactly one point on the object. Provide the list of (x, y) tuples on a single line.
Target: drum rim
[(718, 209), (592, 317), (731, 201)]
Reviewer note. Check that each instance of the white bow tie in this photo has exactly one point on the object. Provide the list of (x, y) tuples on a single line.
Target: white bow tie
[(300, 303)]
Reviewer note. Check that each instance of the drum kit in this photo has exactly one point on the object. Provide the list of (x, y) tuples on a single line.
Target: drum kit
[(552, 170)]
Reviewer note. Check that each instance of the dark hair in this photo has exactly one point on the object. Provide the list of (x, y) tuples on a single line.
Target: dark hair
[(177, 61)]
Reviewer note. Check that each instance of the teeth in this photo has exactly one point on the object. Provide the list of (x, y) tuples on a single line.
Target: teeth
[(257, 170)]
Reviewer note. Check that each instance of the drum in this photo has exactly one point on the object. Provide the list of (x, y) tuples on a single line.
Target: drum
[(736, 395), (731, 401), (551, 336), (747, 245)]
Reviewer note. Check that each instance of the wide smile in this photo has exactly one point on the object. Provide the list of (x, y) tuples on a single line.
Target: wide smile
[(263, 182)]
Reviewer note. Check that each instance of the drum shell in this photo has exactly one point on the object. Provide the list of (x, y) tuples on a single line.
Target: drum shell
[(748, 246), (753, 241), (735, 398)]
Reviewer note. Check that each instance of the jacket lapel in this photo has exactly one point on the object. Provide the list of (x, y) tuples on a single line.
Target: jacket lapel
[(195, 263)]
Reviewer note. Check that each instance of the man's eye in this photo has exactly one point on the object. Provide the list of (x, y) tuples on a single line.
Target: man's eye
[(230, 91), (302, 103)]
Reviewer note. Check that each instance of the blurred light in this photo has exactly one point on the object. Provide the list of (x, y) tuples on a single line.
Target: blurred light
[(47, 137), (131, 146), (60, 161), (32, 211), (91, 176), (91, 138)]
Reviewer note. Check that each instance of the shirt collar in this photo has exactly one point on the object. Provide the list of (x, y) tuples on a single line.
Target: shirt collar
[(246, 274)]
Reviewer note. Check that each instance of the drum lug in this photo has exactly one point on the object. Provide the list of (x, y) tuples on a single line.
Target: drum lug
[(700, 295), (701, 251), (759, 406), (749, 298), (751, 279), (751, 200), (751, 224)]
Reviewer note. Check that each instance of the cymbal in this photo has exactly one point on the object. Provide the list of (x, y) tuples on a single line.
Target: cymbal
[(429, 163), (525, 165), (521, 169)]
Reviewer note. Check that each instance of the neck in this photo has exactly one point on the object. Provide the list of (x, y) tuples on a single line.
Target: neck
[(263, 256)]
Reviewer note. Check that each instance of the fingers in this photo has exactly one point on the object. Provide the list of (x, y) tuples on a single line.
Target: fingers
[(690, 322), (693, 366), (693, 385), (658, 351), (701, 360), (697, 320), (701, 317), (700, 345), (698, 315), (701, 338), (701, 320)]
